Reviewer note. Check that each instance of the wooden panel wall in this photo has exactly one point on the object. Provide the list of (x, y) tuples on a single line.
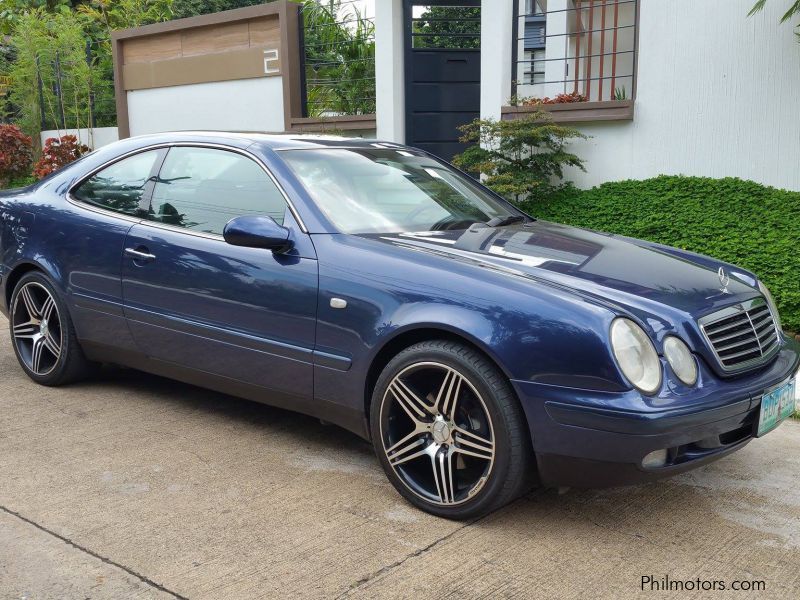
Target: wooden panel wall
[(263, 32), (250, 42)]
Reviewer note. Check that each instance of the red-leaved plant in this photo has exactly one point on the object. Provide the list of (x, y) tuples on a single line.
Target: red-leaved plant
[(57, 153), (559, 99), (15, 153)]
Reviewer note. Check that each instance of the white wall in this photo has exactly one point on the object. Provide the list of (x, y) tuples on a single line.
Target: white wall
[(240, 105), (716, 96), (94, 137)]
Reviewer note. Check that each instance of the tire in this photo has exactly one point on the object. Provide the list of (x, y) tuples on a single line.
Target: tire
[(449, 431), (42, 333)]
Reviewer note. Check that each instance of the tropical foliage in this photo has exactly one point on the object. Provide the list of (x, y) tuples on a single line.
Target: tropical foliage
[(339, 58), (12, 10), (51, 80), (192, 8), (522, 158), (448, 27)]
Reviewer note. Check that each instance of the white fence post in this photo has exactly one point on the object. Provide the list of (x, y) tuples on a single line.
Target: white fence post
[(497, 38), (389, 75)]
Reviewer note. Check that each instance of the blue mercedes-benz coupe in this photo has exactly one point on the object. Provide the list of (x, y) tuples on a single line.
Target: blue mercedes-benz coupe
[(374, 286)]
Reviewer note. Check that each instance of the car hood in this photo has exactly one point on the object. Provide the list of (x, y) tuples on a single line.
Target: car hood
[(610, 268)]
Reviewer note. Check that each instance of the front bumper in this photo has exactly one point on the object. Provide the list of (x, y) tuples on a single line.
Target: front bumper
[(594, 439)]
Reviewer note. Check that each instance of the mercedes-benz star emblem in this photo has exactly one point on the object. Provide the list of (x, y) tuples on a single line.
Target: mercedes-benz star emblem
[(441, 431), (724, 279)]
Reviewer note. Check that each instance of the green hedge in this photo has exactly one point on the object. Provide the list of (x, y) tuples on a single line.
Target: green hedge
[(737, 221), (21, 181)]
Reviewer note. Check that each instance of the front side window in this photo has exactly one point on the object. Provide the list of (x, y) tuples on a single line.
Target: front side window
[(201, 189), (120, 186), (379, 190)]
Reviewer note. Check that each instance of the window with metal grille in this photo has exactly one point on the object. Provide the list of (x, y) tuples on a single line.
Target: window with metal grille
[(580, 50)]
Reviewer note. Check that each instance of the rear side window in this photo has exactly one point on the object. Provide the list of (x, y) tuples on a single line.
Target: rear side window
[(201, 189), (119, 187)]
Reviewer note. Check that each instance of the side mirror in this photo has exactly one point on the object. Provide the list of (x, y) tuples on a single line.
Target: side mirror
[(257, 232)]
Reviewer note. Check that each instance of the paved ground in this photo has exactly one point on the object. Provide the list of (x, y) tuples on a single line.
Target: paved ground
[(131, 486)]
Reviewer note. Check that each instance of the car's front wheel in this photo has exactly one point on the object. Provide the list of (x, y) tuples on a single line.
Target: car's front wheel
[(42, 333), (449, 430)]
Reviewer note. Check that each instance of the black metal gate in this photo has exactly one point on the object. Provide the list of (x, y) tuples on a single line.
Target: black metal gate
[(443, 72)]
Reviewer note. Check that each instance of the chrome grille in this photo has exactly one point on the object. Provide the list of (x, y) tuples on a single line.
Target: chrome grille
[(743, 335)]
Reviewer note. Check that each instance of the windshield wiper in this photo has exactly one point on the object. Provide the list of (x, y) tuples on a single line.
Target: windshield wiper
[(509, 220)]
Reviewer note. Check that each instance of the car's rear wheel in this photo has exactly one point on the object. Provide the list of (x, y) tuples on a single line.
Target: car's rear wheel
[(449, 430), (42, 333)]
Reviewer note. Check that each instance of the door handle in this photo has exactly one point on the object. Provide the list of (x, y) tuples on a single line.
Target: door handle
[(142, 254)]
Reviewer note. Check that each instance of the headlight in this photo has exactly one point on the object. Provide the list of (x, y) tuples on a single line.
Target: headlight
[(636, 355), (680, 359), (772, 306)]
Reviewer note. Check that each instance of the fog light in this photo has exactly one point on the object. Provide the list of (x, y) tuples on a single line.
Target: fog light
[(657, 458)]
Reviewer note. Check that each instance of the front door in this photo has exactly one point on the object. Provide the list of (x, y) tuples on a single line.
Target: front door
[(443, 72), (195, 301)]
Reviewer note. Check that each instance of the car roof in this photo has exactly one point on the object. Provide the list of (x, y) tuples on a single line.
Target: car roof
[(276, 141)]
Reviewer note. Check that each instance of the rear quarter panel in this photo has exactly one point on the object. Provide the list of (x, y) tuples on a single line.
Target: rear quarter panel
[(79, 249), (17, 217)]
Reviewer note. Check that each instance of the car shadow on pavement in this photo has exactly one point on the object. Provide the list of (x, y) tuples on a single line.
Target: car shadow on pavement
[(185, 396)]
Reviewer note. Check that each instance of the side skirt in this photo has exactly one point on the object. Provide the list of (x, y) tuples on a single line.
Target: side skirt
[(344, 417)]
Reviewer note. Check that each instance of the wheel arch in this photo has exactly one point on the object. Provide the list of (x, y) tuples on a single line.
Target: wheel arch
[(407, 337), (16, 273)]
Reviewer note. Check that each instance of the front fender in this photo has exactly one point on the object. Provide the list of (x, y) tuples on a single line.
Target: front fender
[(549, 344), (473, 327), (532, 332)]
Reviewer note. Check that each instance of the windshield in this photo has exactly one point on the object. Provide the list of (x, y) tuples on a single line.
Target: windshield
[(380, 190)]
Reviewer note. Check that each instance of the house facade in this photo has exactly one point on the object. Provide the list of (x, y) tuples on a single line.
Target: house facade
[(662, 87), (692, 87)]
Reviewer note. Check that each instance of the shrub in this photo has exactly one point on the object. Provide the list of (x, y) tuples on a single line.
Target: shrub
[(57, 153), (15, 153), (520, 157), (740, 222), (557, 99)]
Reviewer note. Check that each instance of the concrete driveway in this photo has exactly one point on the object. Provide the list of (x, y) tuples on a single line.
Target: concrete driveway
[(131, 486)]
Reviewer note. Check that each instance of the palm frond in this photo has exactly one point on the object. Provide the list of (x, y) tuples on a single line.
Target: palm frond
[(757, 7), (793, 10)]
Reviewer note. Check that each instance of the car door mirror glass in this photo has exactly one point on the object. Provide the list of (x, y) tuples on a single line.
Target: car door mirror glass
[(257, 232)]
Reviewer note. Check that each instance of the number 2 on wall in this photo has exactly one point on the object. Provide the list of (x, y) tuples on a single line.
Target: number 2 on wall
[(270, 62)]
